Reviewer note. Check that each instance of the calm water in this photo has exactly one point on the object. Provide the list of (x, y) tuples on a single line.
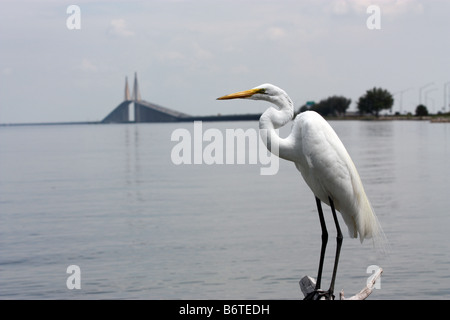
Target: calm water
[(109, 199)]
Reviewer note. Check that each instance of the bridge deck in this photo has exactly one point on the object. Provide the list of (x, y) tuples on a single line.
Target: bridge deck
[(145, 111)]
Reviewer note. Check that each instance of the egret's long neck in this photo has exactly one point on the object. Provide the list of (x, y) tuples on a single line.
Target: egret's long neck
[(273, 119)]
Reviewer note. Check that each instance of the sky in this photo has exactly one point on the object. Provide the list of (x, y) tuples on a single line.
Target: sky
[(189, 52)]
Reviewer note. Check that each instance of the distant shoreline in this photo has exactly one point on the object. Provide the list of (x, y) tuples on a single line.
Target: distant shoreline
[(432, 118), (444, 118), (48, 123), (391, 118)]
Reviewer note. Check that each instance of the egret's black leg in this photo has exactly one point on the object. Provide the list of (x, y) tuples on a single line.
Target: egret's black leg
[(324, 243), (315, 295), (339, 239)]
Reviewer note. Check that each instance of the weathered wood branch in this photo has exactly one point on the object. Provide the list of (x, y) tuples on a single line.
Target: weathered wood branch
[(365, 292), (308, 285)]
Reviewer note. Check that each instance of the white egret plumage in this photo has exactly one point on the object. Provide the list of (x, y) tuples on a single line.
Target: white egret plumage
[(325, 165)]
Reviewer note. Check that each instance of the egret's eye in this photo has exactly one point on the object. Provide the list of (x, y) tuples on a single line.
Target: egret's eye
[(262, 91)]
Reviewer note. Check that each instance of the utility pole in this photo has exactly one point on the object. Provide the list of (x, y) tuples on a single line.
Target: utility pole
[(420, 91), (401, 98), (446, 96), (426, 96)]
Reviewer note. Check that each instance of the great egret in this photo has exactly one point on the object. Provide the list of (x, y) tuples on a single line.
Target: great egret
[(325, 165)]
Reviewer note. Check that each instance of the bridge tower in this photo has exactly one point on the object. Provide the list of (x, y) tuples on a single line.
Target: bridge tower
[(127, 90), (135, 110), (134, 114), (136, 92)]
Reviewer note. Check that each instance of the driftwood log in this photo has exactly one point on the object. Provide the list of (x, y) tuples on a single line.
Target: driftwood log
[(308, 285)]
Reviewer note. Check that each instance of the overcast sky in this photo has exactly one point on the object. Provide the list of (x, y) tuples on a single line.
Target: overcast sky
[(189, 52)]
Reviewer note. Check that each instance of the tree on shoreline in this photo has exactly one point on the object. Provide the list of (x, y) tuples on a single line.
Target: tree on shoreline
[(374, 101), (332, 106), (421, 110)]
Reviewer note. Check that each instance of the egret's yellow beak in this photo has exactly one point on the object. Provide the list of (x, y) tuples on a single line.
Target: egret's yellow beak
[(242, 94)]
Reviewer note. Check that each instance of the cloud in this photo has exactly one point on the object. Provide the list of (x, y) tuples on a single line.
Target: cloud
[(88, 66), (185, 54), (276, 33), (7, 71), (340, 7), (119, 28), (171, 56), (240, 69), (201, 53), (388, 7)]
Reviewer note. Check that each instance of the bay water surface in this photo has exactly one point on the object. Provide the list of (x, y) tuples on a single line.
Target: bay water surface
[(110, 200)]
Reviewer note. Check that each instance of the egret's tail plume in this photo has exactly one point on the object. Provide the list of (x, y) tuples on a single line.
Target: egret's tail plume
[(380, 241), (378, 237), (370, 228)]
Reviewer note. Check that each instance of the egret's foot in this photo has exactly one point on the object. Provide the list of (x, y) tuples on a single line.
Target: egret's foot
[(320, 295)]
